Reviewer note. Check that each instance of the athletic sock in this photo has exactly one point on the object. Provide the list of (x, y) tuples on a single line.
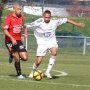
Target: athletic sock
[(51, 63), (18, 68), (34, 67)]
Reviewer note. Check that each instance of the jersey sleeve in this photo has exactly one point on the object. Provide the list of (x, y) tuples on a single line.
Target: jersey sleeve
[(61, 21), (34, 24), (6, 23)]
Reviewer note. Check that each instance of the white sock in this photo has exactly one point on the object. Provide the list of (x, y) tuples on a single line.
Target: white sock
[(34, 67), (51, 63)]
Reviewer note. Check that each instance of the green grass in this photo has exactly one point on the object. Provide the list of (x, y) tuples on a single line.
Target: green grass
[(77, 66)]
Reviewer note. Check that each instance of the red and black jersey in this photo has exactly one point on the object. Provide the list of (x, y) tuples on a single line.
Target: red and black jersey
[(14, 26)]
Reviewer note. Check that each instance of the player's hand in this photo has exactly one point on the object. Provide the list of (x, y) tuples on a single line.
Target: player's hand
[(81, 25), (14, 42)]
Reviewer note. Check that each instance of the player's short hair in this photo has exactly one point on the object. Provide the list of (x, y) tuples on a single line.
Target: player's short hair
[(15, 4), (47, 11)]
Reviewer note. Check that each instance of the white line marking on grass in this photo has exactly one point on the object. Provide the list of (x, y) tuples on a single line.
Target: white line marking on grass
[(61, 73), (41, 82)]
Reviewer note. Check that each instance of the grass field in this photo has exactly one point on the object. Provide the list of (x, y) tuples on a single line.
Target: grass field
[(76, 65)]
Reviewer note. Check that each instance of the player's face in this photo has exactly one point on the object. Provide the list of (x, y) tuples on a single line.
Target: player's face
[(47, 17), (18, 11)]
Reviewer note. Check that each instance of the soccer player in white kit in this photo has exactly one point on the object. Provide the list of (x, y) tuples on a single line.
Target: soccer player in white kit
[(44, 31)]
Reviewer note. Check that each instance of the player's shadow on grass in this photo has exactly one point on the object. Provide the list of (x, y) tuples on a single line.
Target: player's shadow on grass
[(55, 77), (12, 75)]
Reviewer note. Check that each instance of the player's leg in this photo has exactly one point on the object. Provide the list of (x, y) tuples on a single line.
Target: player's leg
[(17, 63), (10, 57), (52, 59), (9, 47), (17, 60), (22, 52), (37, 62), (35, 65), (41, 51), (23, 55)]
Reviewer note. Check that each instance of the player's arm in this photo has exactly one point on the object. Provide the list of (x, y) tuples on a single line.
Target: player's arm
[(25, 34), (81, 25), (34, 24), (5, 29), (25, 31), (10, 36)]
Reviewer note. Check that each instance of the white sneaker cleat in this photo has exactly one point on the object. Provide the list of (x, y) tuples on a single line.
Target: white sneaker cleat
[(48, 75), (31, 75), (21, 77)]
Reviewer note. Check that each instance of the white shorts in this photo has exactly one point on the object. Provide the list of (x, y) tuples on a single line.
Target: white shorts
[(42, 48)]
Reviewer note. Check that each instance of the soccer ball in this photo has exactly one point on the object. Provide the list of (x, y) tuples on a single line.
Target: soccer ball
[(37, 75)]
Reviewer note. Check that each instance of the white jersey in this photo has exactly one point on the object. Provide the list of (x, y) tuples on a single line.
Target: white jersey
[(45, 32)]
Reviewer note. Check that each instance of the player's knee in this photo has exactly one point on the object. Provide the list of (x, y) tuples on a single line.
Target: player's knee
[(25, 58), (54, 53), (16, 57), (38, 62)]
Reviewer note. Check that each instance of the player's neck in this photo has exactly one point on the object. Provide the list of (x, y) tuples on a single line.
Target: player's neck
[(15, 15)]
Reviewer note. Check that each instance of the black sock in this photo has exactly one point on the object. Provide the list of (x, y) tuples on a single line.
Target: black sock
[(18, 68)]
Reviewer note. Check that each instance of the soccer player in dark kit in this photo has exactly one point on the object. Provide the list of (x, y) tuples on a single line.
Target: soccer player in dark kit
[(12, 28)]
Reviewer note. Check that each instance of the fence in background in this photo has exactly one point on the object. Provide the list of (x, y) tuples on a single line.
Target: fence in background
[(67, 44)]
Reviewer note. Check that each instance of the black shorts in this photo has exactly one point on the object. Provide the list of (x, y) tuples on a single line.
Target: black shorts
[(19, 47)]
